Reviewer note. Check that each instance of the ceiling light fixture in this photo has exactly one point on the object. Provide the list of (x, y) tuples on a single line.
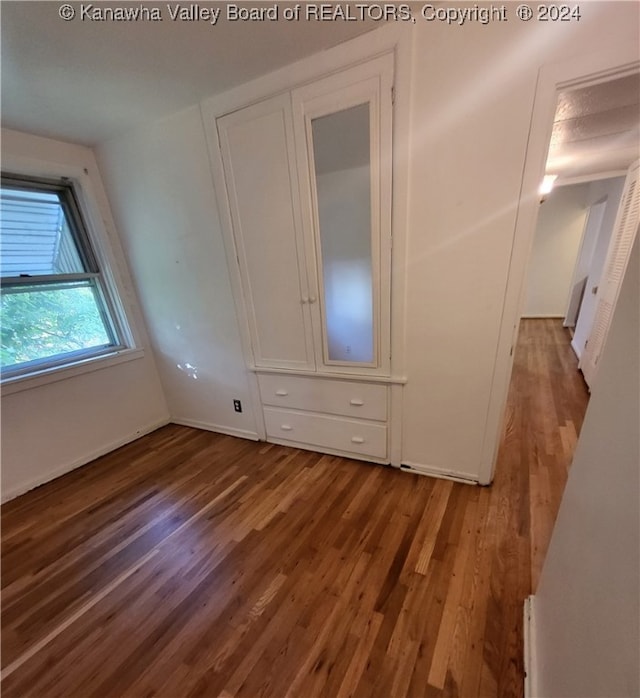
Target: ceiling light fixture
[(547, 184)]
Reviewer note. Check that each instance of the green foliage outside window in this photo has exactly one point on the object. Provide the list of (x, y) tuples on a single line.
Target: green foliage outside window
[(47, 322)]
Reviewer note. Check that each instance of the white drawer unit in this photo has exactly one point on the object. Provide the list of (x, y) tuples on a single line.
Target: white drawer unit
[(325, 431), (336, 397)]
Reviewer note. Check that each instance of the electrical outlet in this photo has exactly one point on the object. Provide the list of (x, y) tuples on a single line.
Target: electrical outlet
[(237, 405)]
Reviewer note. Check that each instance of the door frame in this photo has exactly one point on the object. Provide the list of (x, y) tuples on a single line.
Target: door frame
[(624, 231), (553, 78)]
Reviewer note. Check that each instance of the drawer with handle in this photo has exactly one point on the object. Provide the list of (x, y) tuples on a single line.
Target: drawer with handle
[(347, 398), (328, 431)]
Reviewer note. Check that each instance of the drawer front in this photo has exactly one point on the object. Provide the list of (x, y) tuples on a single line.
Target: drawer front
[(348, 435), (347, 398)]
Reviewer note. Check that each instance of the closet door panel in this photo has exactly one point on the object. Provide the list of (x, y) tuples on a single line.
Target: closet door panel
[(259, 161), (343, 138)]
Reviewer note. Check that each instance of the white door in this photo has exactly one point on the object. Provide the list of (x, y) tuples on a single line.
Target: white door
[(343, 138), (259, 161), (583, 263), (624, 232)]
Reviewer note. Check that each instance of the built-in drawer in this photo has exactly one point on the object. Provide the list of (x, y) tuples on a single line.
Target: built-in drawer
[(327, 431), (348, 398)]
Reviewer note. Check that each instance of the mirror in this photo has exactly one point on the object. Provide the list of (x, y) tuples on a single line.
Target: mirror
[(343, 183)]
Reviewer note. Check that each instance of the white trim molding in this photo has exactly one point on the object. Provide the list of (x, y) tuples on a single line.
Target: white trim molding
[(76, 368), (217, 428), (12, 493), (441, 473)]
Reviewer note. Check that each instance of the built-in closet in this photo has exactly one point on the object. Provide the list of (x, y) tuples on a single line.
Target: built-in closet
[(308, 176)]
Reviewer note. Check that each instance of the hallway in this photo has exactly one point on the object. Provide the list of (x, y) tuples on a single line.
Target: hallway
[(547, 402)]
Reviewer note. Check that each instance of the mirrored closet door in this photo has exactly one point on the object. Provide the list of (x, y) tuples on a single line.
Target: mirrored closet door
[(309, 182), (343, 139)]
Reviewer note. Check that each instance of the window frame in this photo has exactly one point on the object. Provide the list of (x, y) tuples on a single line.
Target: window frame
[(87, 229)]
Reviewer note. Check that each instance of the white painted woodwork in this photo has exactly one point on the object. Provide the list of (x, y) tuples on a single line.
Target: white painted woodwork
[(279, 188), (348, 398), (609, 192), (593, 224), (624, 233), (276, 224), (368, 84), (257, 150), (321, 431)]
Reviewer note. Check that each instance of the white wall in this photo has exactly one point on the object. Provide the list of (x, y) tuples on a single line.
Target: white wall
[(162, 196), (52, 428), (586, 610), (555, 249)]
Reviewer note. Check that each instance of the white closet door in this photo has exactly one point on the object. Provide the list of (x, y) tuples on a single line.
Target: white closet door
[(259, 162), (343, 138), (624, 233)]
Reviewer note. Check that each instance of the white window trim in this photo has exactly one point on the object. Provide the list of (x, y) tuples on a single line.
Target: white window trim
[(35, 379), (102, 246)]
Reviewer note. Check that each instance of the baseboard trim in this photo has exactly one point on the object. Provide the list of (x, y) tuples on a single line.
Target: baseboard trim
[(432, 471), (87, 458), (219, 429), (530, 658), (542, 317)]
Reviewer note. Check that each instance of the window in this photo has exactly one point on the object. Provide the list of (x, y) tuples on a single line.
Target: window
[(56, 307)]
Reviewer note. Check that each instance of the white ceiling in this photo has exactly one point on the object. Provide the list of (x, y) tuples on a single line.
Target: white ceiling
[(85, 81), (596, 129)]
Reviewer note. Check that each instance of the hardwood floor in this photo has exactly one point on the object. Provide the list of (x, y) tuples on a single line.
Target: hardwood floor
[(193, 564)]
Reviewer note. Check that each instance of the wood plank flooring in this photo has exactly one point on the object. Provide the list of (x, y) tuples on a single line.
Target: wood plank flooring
[(193, 564)]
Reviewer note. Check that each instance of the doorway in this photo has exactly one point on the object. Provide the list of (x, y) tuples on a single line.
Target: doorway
[(555, 78), (583, 207), (570, 246)]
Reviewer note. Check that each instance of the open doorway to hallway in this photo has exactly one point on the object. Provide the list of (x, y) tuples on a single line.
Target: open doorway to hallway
[(571, 241), (594, 140)]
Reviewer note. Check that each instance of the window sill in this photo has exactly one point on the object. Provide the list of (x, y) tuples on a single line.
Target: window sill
[(58, 373)]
